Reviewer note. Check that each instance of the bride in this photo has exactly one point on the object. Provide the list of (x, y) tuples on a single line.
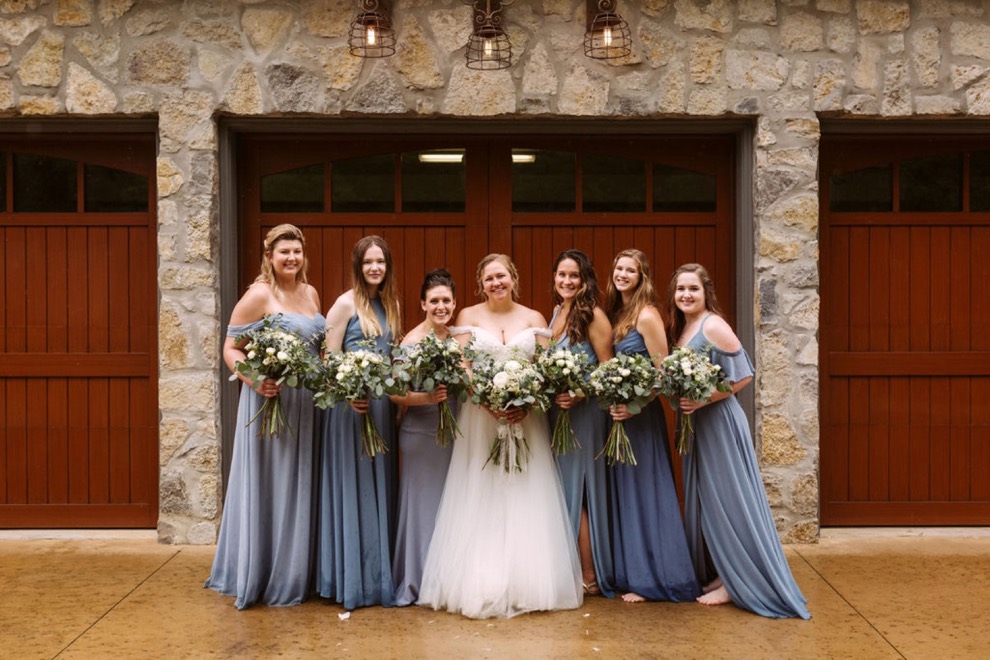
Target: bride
[(502, 543)]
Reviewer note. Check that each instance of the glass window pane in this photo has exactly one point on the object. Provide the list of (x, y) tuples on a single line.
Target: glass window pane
[(675, 189), (610, 183), (3, 182), (363, 185), (933, 183), (543, 181), (295, 191), (44, 185), (979, 181), (869, 189), (433, 181), (114, 191)]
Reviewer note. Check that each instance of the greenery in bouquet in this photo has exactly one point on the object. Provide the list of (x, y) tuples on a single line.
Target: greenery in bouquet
[(272, 353), (364, 373), (629, 380), (427, 365), (501, 386), (564, 372), (686, 374)]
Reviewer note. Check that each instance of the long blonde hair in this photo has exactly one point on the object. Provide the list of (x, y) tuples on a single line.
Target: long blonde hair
[(624, 315), (506, 261), (388, 292), (284, 232)]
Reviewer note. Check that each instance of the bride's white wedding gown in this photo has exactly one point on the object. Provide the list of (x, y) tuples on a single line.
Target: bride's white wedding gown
[(502, 544)]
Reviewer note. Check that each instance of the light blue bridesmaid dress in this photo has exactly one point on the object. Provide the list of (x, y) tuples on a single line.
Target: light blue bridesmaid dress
[(725, 507), (650, 549), (268, 532), (357, 497), (583, 478)]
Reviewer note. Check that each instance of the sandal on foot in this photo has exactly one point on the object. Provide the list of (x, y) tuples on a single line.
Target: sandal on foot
[(591, 589)]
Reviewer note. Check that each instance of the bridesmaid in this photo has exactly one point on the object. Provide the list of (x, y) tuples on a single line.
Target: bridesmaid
[(650, 549), (726, 508), (580, 325), (424, 464), (357, 494), (264, 552)]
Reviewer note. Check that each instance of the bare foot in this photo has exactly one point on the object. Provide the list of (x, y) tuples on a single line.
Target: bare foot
[(712, 586), (631, 597), (717, 597)]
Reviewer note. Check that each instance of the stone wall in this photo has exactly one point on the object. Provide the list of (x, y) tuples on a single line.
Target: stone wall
[(781, 63)]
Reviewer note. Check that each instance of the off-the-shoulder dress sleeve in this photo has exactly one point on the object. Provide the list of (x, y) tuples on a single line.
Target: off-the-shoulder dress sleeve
[(236, 330), (543, 332), (736, 365)]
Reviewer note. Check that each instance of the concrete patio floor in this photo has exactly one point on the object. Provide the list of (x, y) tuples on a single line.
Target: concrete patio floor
[(872, 593)]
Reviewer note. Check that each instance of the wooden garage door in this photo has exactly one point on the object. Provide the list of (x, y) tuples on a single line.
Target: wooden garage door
[(78, 375), (450, 200), (905, 331)]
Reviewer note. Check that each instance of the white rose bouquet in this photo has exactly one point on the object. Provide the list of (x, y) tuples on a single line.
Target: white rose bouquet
[(360, 374), (627, 379), (564, 371), (689, 375), (501, 386), (274, 354), (430, 363)]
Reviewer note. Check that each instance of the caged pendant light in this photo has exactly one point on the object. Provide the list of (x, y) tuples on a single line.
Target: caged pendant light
[(371, 33), (489, 47), (608, 36)]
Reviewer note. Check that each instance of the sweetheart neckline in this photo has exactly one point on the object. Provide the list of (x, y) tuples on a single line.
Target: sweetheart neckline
[(495, 337)]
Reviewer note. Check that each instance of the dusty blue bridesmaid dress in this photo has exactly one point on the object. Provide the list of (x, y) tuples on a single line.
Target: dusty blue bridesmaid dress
[(650, 549), (583, 478), (423, 472), (725, 507), (268, 532), (357, 497)]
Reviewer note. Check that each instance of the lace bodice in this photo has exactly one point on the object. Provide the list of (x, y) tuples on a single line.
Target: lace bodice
[(522, 344)]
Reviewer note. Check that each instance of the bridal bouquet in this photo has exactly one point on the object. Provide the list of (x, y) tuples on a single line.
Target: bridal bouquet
[(627, 379), (361, 374), (563, 371), (689, 375), (505, 385), (430, 363), (274, 354)]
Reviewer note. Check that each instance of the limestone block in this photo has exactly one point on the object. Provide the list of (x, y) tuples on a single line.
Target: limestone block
[(212, 65), (778, 247), (789, 101), (30, 104), (896, 90), (479, 93), (539, 77), (294, 89), (414, 58), (6, 93), (802, 32), (265, 27), (4, 56), (799, 211), (970, 39), (936, 105), (137, 103), (13, 31), (765, 135), (861, 104), (830, 81), (187, 393), (866, 64), (214, 33), (328, 18), (671, 89), (947, 8), (202, 533), (168, 210), (199, 237), (655, 7), (41, 66), (209, 344), (172, 495), (714, 15), (805, 158), (804, 128), (964, 74), (834, 6), (205, 457), (757, 11), (780, 445), (883, 16), (167, 247), (379, 94), (111, 10), (706, 59), (772, 485), (451, 28), (583, 93), (148, 21), (243, 97), (805, 313), (160, 62), (755, 37), (340, 69), (207, 502), (73, 13), (800, 74), (659, 45), (804, 532), (186, 121), (172, 435), (19, 6), (562, 8), (173, 342), (756, 70), (772, 183), (710, 100), (102, 52), (895, 44), (977, 98), (840, 34), (87, 95), (185, 278)]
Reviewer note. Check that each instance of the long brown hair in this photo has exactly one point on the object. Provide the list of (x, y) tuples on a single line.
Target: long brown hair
[(675, 318), (506, 261), (582, 310), (284, 232), (388, 292), (624, 316)]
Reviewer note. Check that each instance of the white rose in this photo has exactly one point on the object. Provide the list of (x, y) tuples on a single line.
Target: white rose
[(364, 363), (282, 356), (561, 362), (270, 350), (501, 379), (624, 372), (345, 368), (512, 365), (566, 371), (251, 355)]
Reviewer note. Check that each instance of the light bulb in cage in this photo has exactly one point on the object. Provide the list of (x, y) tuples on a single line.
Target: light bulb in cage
[(488, 47), (608, 35), (371, 33)]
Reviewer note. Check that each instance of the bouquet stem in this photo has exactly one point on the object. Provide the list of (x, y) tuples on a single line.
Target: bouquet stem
[(617, 447), (371, 439), (686, 434), (564, 439), (447, 428), (509, 448), (273, 420)]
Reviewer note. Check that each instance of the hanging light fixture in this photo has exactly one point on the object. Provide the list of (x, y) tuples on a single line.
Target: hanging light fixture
[(608, 34), (489, 46), (371, 32)]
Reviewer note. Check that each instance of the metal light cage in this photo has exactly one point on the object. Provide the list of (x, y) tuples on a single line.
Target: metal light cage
[(371, 33), (488, 49), (608, 36)]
